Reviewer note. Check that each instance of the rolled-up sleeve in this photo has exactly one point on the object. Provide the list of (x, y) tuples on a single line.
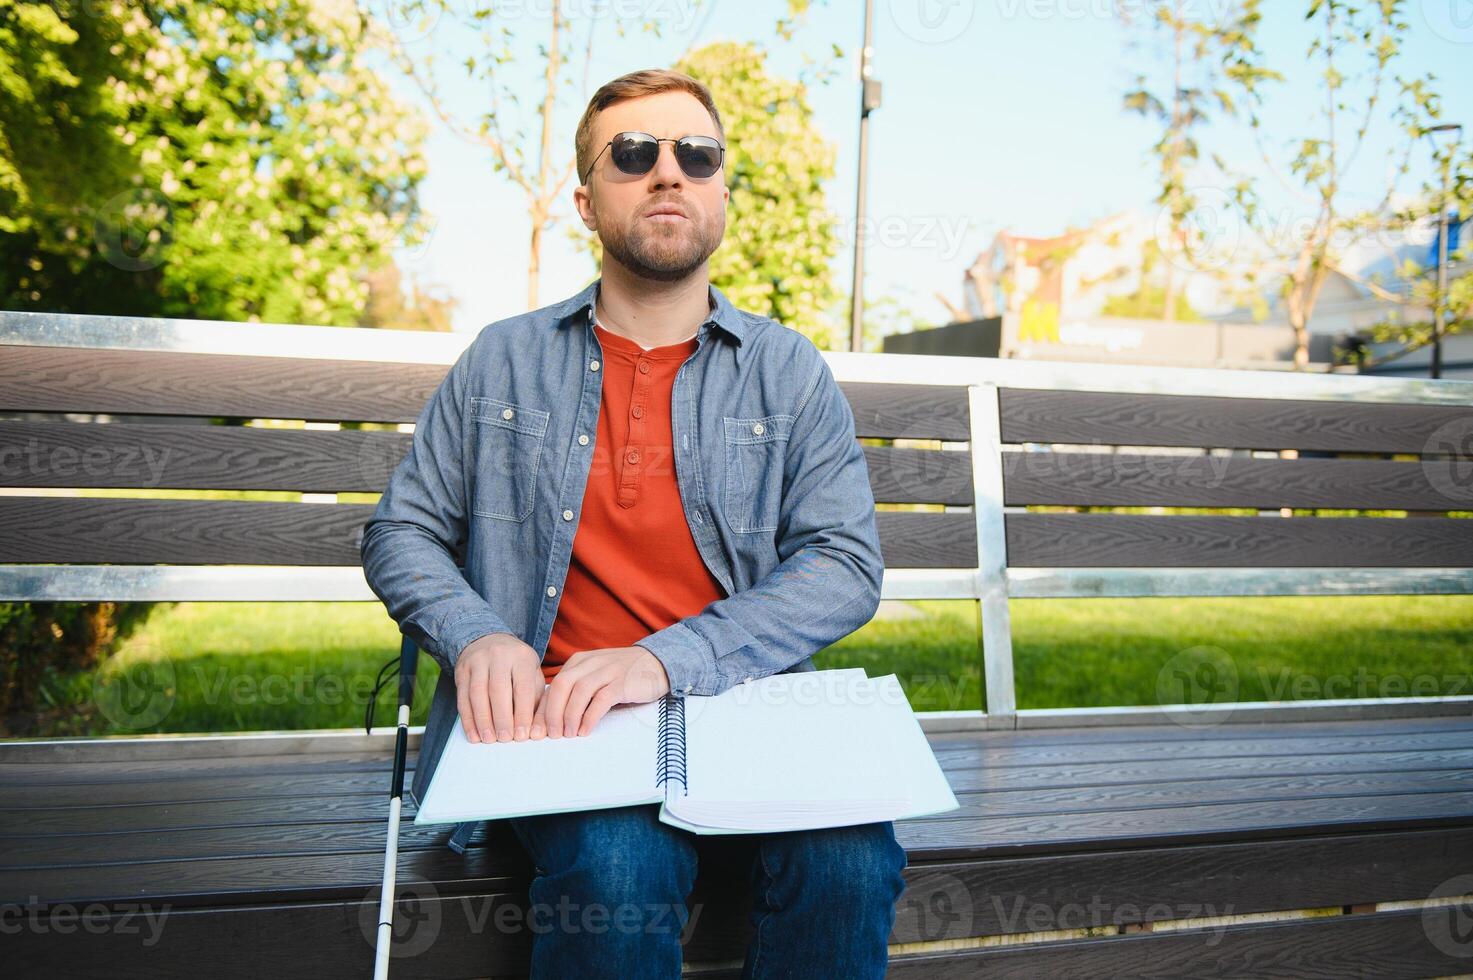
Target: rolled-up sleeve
[(414, 543), (827, 583)]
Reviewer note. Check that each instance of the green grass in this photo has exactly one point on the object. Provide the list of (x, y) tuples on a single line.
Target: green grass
[(1093, 652), (220, 667)]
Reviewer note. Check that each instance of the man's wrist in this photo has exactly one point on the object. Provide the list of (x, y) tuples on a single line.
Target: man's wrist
[(686, 659)]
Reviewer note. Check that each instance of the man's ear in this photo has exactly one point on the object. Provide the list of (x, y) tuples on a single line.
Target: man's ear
[(583, 201)]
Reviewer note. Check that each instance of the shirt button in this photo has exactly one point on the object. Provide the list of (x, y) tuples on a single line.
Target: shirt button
[(593, 365), (506, 413), (638, 412), (567, 515), (644, 367), (633, 456), (687, 688), (552, 590), (757, 428), (582, 440)]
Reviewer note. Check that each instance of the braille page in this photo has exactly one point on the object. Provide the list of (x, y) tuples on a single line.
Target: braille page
[(614, 765), (793, 752)]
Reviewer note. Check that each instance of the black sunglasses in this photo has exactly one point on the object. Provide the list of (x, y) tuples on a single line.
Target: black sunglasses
[(635, 154)]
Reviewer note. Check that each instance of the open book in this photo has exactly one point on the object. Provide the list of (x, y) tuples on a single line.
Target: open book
[(798, 751)]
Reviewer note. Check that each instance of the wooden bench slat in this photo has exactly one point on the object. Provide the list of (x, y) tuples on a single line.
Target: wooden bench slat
[(907, 411), (181, 532), (971, 831), (95, 380), (1127, 419), (198, 457), (1137, 480), (1138, 540), (248, 532), (1386, 945), (232, 457), (39, 836), (55, 799), (902, 475)]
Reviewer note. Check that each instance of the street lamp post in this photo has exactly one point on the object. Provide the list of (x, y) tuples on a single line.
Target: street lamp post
[(869, 100), (1439, 312)]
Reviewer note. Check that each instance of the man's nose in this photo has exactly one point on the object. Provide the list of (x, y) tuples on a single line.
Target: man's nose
[(666, 170)]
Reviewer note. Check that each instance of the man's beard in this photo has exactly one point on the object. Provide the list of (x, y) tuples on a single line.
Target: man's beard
[(659, 252)]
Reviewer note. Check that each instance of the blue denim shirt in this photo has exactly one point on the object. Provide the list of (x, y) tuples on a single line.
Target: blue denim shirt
[(474, 533)]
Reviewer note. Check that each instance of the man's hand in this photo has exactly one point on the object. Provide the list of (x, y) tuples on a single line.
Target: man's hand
[(593, 681), (498, 681)]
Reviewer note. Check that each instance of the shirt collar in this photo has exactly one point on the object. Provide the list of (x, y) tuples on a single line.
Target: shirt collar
[(723, 314)]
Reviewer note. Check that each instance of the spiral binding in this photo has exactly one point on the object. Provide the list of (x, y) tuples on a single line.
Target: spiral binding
[(670, 766)]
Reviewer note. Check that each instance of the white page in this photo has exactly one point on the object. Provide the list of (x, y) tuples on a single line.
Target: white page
[(790, 751), (614, 765), (907, 752)]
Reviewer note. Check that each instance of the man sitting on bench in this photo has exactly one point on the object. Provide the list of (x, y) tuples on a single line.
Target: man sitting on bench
[(654, 492)]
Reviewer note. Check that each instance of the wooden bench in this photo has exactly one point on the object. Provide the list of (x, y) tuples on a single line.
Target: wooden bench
[(1205, 838)]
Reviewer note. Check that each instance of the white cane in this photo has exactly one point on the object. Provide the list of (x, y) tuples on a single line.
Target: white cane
[(408, 661)]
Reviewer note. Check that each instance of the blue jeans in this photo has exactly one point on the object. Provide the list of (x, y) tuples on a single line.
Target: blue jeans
[(609, 896)]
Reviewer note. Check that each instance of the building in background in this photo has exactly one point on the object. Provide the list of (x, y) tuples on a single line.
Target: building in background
[(1097, 294)]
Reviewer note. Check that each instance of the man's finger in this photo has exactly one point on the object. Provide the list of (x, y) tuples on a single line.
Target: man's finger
[(500, 690), (597, 708), (526, 686), (463, 706), (480, 703), (583, 691), (555, 699), (539, 719)]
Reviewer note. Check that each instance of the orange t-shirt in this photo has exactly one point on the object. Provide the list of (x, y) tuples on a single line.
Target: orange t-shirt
[(634, 568)]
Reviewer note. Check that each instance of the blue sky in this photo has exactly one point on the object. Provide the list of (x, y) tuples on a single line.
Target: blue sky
[(997, 114)]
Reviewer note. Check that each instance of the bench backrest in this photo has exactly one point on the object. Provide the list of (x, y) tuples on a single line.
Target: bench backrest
[(108, 403)]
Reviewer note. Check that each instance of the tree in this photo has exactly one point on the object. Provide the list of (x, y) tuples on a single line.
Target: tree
[(1349, 40), (524, 143), (57, 113), (1413, 290), (264, 163), (388, 307), (1179, 104)]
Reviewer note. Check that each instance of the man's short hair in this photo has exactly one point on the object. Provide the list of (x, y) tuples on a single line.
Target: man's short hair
[(647, 81)]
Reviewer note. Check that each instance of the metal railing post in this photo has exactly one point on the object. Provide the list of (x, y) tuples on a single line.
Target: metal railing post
[(992, 556)]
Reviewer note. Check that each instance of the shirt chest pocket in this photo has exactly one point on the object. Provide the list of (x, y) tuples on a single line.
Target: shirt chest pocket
[(755, 452), (508, 441)]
